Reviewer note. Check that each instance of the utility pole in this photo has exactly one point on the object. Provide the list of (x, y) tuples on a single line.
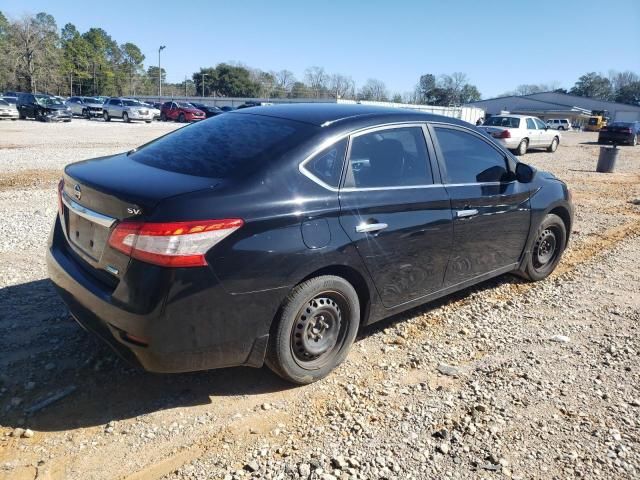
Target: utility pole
[(203, 75), (162, 47)]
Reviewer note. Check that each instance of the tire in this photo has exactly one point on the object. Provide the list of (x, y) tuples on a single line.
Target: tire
[(125, 117), (163, 117), (181, 118), (634, 142), (22, 116), (326, 311), (147, 121), (522, 147), (554, 145), (547, 249), (86, 114), (560, 128), (106, 116)]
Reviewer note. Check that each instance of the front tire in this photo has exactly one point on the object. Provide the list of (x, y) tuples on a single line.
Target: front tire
[(317, 324), (125, 117), (181, 118), (522, 147), (634, 141), (554, 145), (163, 117), (106, 116), (547, 249)]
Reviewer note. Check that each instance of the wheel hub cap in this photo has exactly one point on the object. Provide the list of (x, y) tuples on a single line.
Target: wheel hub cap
[(317, 329)]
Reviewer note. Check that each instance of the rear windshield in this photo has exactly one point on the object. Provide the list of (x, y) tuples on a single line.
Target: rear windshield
[(224, 146), (593, 121), (511, 122), (621, 124)]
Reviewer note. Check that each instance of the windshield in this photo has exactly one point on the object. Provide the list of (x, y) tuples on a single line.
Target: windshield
[(511, 122), (47, 101), (621, 125), (10, 100), (184, 105), (225, 146), (92, 100), (3, 103), (132, 103)]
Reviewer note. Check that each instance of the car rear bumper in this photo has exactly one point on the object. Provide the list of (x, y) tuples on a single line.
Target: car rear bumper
[(508, 143), (619, 137), (192, 323)]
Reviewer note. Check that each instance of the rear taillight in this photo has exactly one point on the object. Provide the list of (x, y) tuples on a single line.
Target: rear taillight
[(60, 188), (502, 134), (174, 244)]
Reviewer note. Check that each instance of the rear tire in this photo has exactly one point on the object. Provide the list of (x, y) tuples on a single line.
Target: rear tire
[(163, 117), (125, 117), (522, 147), (181, 118), (554, 145), (634, 142), (106, 116), (547, 249), (317, 324)]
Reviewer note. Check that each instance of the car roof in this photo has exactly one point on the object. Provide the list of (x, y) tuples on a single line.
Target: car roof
[(325, 114)]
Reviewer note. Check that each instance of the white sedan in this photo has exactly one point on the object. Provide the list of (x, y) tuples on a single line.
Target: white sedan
[(519, 133)]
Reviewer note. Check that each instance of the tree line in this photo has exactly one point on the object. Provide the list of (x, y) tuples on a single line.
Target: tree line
[(35, 56), (623, 87)]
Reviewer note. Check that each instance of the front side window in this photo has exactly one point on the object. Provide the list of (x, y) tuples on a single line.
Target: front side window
[(327, 165), (468, 159), (389, 158)]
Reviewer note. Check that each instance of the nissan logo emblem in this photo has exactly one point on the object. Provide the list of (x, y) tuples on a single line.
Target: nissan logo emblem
[(78, 191)]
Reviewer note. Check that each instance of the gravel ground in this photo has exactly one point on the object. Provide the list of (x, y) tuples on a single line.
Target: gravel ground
[(507, 379)]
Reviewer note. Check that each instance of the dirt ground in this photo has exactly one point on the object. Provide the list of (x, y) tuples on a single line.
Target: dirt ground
[(541, 408)]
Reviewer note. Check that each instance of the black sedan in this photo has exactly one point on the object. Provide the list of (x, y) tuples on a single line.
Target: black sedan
[(620, 132), (273, 234), (209, 110)]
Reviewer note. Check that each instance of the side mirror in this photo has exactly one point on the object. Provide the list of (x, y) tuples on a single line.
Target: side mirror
[(524, 173), (546, 127)]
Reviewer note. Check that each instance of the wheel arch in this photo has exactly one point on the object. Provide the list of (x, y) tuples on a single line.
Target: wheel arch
[(562, 212)]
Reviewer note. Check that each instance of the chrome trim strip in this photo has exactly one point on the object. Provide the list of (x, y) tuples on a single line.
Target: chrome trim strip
[(370, 227), (87, 213), (466, 213)]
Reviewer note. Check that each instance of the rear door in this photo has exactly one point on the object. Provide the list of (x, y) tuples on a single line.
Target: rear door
[(533, 134), (491, 212), (396, 211)]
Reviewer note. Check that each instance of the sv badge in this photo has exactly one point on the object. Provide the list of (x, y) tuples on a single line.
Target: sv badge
[(134, 211)]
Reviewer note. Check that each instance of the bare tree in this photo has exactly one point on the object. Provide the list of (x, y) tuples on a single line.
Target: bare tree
[(622, 79), (342, 86), (32, 40), (316, 79), (374, 90), (284, 81)]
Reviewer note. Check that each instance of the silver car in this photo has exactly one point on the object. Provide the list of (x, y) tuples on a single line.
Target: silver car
[(127, 109), (8, 110), (521, 133), (87, 107)]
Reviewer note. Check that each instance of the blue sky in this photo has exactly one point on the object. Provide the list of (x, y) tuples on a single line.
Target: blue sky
[(499, 45)]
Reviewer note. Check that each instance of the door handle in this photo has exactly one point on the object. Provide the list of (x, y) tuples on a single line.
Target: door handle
[(466, 213), (370, 227)]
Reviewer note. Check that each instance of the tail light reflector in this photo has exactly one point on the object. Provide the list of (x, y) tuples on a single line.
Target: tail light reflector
[(503, 134), (60, 188), (173, 244)]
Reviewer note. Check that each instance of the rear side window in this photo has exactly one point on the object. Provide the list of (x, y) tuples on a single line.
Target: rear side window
[(224, 146), (468, 159), (327, 165), (394, 157)]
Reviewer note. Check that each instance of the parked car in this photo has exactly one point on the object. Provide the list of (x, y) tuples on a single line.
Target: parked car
[(520, 133), (87, 107), (254, 238), (127, 109), (155, 110), (180, 112), (8, 111), (559, 123), (620, 132), (209, 110), (42, 107), (253, 103), (226, 108)]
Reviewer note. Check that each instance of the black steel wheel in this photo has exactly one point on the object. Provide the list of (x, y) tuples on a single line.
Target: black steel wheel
[(315, 329), (546, 249)]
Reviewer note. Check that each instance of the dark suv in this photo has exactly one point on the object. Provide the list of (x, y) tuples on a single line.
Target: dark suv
[(42, 107), (274, 234)]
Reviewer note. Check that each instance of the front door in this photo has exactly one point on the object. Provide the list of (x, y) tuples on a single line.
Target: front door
[(491, 213), (398, 217), (533, 133)]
